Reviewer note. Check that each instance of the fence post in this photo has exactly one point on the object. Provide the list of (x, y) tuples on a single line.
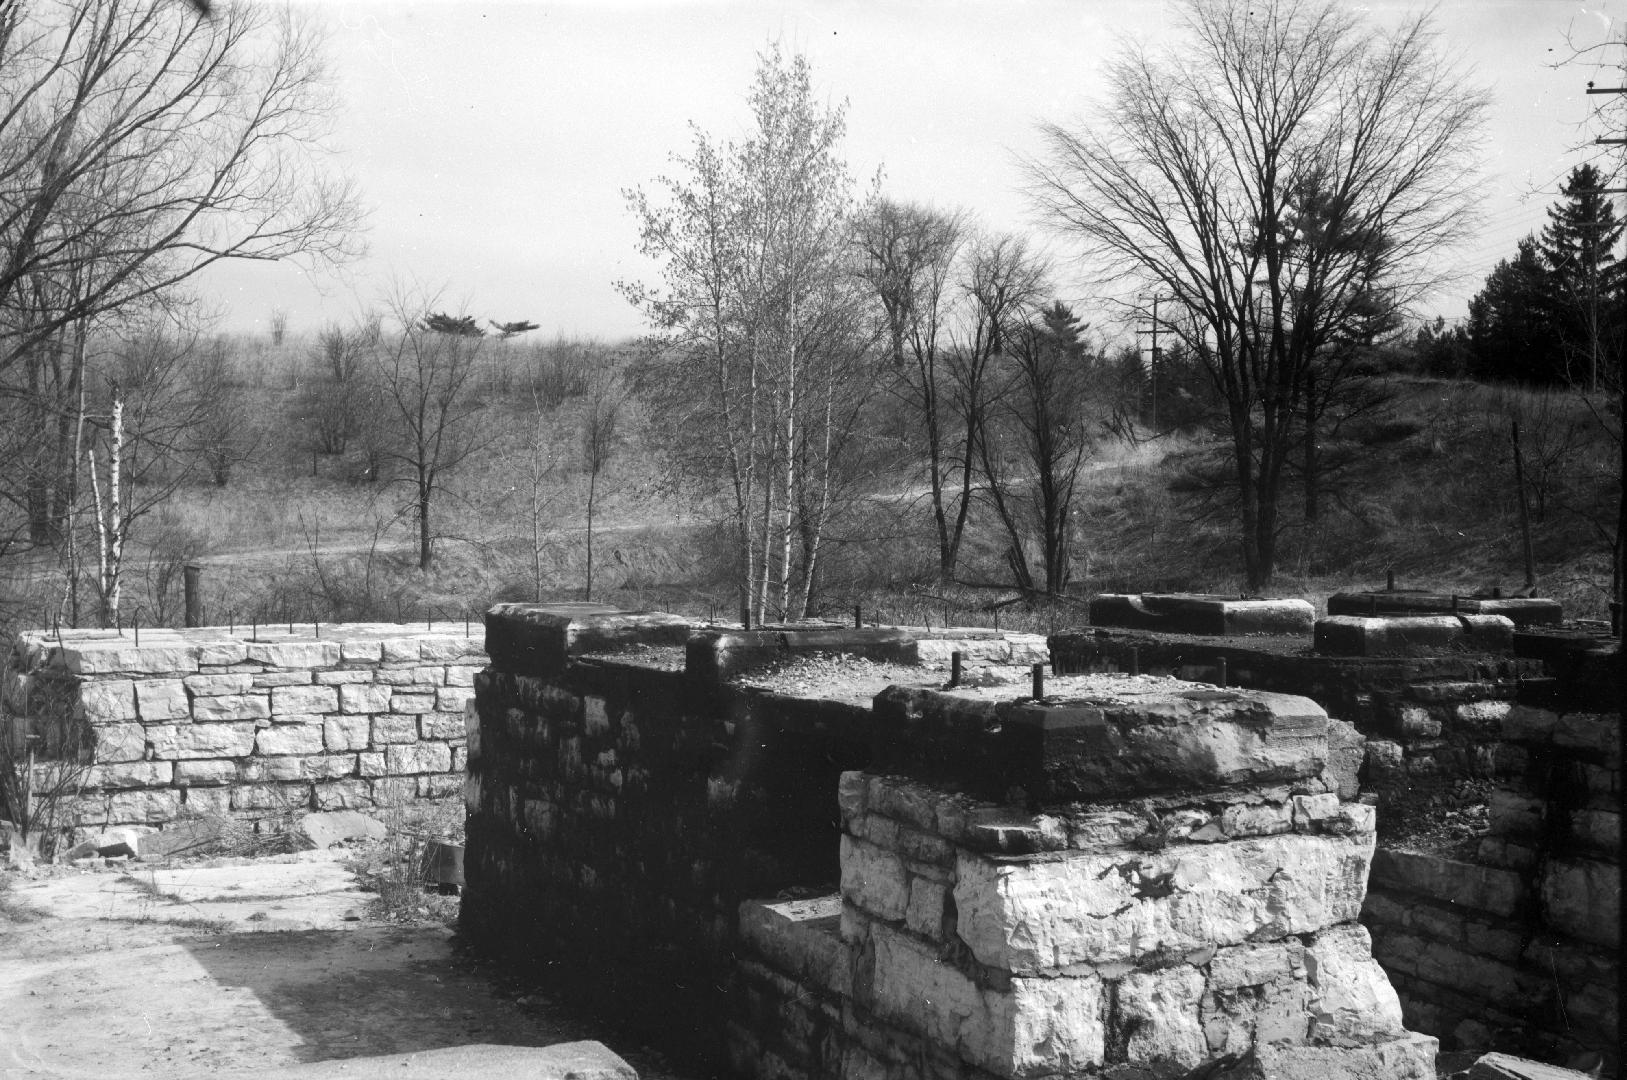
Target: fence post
[(193, 592)]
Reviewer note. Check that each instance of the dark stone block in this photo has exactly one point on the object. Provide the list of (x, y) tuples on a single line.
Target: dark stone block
[(1412, 635), (539, 639), (1212, 616), (1099, 739)]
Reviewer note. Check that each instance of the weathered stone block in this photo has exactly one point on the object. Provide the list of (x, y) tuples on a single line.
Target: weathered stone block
[(1482, 888), (452, 699), (111, 655), (925, 911), (874, 879), (361, 650), (295, 654), (441, 725), (308, 767), (418, 757), (346, 732), (1515, 813), (1406, 1057), (304, 699), (412, 704), (221, 652), (1030, 917), (143, 805), (370, 764), (1352, 1000), (280, 798), (419, 677), (850, 796), (444, 647), (394, 790), (394, 650), (439, 785), (461, 674), (120, 743), (1593, 732), (1039, 1026), (1417, 722), (216, 801), (161, 699), (344, 676), (105, 701), (265, 680), (1214, 616), (1582, 897), (218, 685), (205, 772), (1523, 723), (1255, 965), (364, 698), (289, 739), (1099, 737), (231, 707), (342, 795), (1598, 830), (1155, 1020), (130, 774), (187, 741)]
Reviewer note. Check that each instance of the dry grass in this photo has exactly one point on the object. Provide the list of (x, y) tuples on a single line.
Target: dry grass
[(396, 869), (1426, 491)]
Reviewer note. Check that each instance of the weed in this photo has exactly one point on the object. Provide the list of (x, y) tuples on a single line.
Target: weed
[(395, 868)]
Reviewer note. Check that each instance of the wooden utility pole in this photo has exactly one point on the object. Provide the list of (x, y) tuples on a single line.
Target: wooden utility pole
[(1152, 359), (1621, 476)]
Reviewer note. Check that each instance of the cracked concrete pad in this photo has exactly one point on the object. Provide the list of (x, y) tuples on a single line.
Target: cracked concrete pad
[(301, 894)]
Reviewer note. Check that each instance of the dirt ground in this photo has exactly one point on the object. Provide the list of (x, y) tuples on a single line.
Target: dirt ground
[(197, 970)]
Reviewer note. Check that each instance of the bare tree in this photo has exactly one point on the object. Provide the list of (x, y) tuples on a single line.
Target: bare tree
[(602, 435), (1042, 406), (907, 255), (426, 376), (763, 331), (1284, 176), (140, 144), (224, 431)]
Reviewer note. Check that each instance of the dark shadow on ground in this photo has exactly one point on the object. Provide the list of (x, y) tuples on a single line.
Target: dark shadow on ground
[(369, 991)]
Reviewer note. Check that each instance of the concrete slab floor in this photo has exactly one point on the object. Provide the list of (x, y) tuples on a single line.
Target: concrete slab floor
[(210, 970)]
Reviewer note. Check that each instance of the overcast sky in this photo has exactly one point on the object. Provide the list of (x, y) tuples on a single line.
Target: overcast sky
[(492, 141)]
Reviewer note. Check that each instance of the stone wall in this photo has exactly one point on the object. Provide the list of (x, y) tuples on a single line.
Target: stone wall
[(254, 724), (1436, 711), (656, 839), (1507, 940), (624, 799), (1214, 919), (1514, 942)]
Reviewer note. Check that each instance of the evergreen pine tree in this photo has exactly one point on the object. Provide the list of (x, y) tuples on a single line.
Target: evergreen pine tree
[(1584, 280)]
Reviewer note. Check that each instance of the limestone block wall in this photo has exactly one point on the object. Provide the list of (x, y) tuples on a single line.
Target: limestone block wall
[(626, 794), (256, 723), (1516, 943), (1440, 715), (1096, 937), (624, 798)]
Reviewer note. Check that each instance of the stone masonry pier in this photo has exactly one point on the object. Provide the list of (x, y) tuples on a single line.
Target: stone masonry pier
[(1129, 877)]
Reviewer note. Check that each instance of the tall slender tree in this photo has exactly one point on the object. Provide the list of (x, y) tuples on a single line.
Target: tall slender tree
[(762, 329), (908, 256), (1584, 281)]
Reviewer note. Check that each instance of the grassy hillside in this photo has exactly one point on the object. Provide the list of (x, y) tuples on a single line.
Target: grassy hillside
[(1420, 481)]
